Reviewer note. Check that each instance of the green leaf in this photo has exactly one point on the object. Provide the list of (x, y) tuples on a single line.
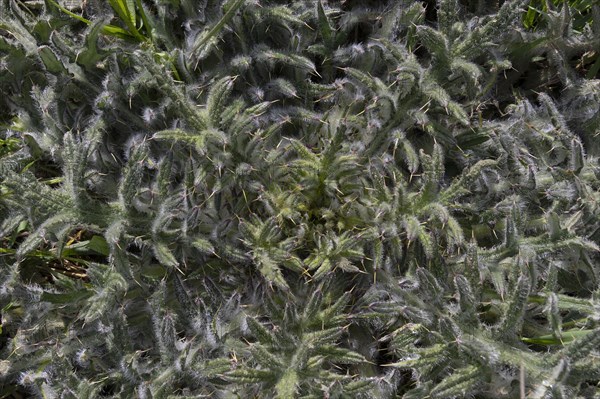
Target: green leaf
[(96, 244), (325, 28), (147, 22), (72, 298), (471, 139), (205, 38), (130, 6), (51, 61), (594, 69), (91, 55), (125, 9), (69, 13), (551, 339), (117, 31)]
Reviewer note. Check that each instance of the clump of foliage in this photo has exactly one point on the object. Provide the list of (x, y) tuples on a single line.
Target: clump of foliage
[(315, 199)]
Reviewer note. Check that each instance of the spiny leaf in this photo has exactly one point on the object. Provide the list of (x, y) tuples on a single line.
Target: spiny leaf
[(513, 317), (198, 139), (132, 176), (448, 14), (436, 43), (426, 357), (359, 386), (581, 347), (249, 376), (323, 337), (58, 224), (263, 335), (331, 313), (467, 302), (214, 367), (265, 358), (203, 245), (459, 383), (341, 355), (164, 255), (293, 60), (286, 386), (217, 99)]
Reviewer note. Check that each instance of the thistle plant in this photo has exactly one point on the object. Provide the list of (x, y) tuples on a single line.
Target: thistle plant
[(318, 199)]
